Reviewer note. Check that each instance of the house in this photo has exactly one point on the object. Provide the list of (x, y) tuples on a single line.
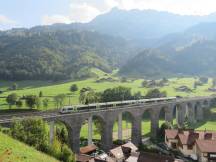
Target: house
[(170, 138), (117, 153), (206, 150), (133, 157), (131, 146), (183, 89), (212, 89), (199, 144), (186, 141)]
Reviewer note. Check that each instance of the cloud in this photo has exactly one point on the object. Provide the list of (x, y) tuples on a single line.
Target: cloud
[(6, 21), (48, 20), (183, 7), (83, 12), (78, 12)]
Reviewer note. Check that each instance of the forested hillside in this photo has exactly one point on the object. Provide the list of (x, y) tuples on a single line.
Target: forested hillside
[(192, 52), (196, 57), (146, 43), (43, 54)]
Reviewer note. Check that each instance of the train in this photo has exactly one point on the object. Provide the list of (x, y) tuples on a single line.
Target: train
[(96, 106)]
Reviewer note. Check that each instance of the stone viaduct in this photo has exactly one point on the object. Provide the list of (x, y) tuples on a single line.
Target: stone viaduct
[(178, 109), (192, 108)]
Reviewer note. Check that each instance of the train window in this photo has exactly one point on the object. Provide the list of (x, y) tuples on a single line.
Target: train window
[(91, 107)]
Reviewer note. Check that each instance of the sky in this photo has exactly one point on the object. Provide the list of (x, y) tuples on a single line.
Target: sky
[(28, 13)]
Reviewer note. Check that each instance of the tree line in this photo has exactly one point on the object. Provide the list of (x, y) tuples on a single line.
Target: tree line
[(87, 95), (120, 93)]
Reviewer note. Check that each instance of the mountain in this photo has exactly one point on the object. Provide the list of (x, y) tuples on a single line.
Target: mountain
[(144, 26), (138, 24), (44, 54), (149, 63), (192, 52), (112, 40), (206, 30)]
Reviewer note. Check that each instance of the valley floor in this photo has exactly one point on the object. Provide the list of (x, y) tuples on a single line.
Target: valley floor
[(51, 89)]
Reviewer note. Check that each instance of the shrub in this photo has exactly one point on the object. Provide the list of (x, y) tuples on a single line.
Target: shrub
[(19, 103), (74, 88), (30, 131), (67, 155), (32, 101), (12, 99), (45, 103), (14, 86), (40, 94), (155, 93)]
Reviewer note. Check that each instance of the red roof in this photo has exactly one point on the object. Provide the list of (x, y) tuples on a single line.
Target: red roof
[(88, 149), (206, 146), (188, 139), (171, 133), (83, 158), (206, 135), (183, 139)]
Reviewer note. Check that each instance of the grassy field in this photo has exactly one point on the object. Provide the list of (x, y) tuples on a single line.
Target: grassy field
[(54, 88), (51, 89), (15, 151)]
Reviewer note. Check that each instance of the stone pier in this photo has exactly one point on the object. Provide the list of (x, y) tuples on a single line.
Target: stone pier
[(90, 131), (120, 126)]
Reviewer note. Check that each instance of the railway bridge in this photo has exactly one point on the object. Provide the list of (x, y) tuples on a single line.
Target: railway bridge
[(191, 108)]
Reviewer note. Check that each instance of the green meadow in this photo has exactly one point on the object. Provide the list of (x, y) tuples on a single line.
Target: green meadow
[(51, 89)]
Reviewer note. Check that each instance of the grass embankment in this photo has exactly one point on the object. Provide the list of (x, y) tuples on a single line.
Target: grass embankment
[(14, 151)]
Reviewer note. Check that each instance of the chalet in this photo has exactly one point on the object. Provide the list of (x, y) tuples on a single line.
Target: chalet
[(183, 89), (212, 89), (186, 142), (198, 144), (170, 138), (206, 150), (117, 153)]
